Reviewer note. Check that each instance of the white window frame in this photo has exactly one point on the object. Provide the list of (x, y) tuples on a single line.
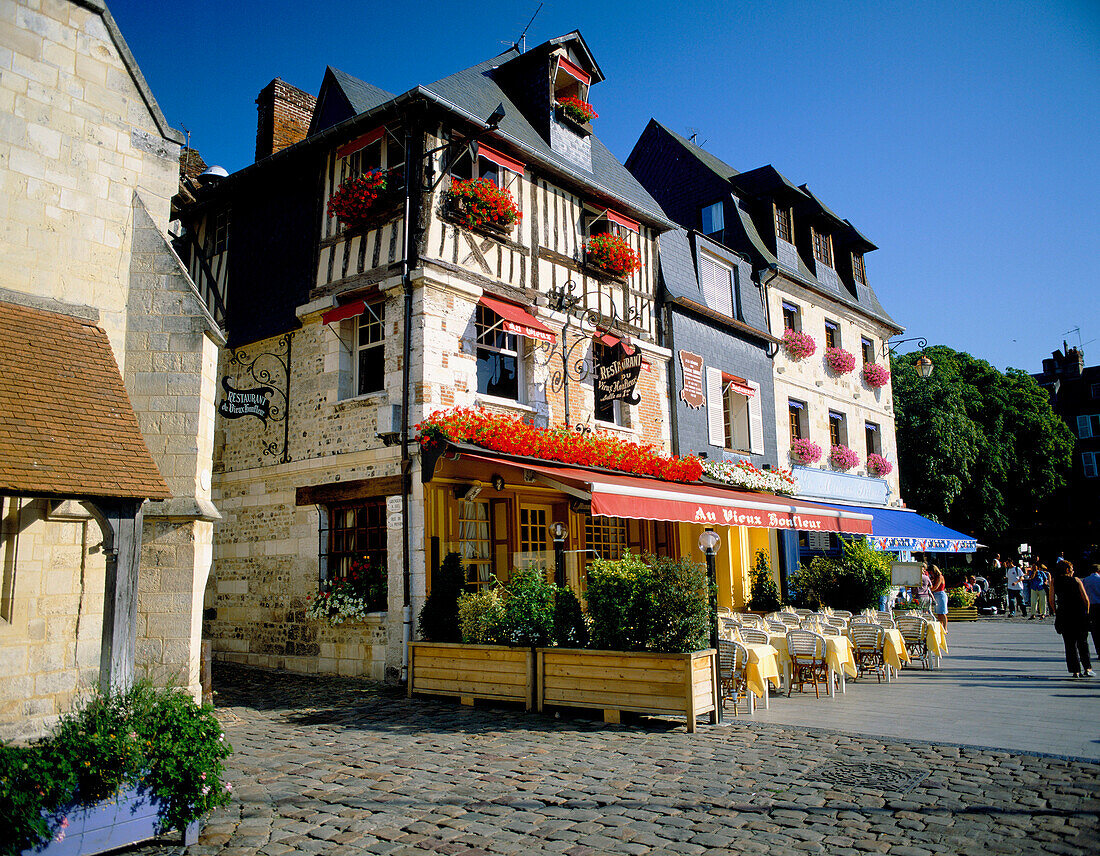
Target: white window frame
[(722, 409), (481, 330), (716, 279), (374, 315)]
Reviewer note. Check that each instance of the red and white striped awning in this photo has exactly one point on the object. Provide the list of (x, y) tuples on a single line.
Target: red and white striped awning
[(518, 321)]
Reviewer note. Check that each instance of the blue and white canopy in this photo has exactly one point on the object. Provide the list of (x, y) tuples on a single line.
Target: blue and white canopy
[(902, 529)]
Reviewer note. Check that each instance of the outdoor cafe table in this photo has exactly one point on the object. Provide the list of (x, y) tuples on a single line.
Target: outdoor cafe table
[(935, 639), (762, 668), (894, 651), (839, 656)]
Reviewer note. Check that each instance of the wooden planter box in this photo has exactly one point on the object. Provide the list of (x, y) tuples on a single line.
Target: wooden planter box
[(131, 817), (614, 681), (471, 672), (962, 613)]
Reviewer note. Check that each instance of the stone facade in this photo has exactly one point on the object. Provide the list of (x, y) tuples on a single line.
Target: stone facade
[(89, 169)]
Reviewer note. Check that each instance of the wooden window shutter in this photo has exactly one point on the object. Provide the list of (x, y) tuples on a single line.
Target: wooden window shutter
[(500, 513), (717, 285), (756, 420), (716, 419), (1084, 430)]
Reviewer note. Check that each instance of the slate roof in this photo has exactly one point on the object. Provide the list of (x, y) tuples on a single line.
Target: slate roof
[(474, 93), (66, 425)]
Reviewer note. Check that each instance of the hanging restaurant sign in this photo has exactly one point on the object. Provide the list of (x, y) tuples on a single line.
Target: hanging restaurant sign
[(617, 373), (245, 402), (691, 367)]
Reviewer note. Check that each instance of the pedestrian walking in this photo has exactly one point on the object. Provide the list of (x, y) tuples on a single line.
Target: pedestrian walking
[(1092, 589), (1070, 607), (939, 596), (1014, 582), (924, 593), (1040, 584)]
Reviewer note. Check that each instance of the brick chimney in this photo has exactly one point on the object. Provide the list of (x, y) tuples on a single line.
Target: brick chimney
[(284, 113)]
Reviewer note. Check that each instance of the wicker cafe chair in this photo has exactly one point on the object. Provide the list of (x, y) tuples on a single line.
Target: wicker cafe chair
[(749, 619), (792, 621), (842, 613), (912, 629), (883, 616), (754, 636), (733, 657), (730, 627), (802, 613), (776, 627), (867, 643), (888, 623), (725, 610), (808, 666)]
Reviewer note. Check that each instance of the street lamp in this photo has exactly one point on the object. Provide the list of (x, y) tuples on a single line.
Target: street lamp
[(924, 366), (709, 543), (559, 532)]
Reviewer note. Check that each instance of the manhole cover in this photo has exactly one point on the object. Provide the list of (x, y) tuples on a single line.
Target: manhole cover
[(857, 774)]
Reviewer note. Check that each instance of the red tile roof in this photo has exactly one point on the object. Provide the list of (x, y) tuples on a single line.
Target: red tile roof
[(66, 424)]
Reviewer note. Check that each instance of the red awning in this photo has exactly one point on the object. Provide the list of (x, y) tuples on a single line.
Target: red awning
[(569, 68), (361, 142), (623, 220), (653, 499), (611, 340), (500, 160), (348, 310), (738, 385), (518, 321)]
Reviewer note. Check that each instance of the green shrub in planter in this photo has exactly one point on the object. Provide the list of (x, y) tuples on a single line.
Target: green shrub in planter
[(528, 618), (765, 593), (479, 617), (158, 739), (618, 603), (679, 606), (570, 625), (439, 616)]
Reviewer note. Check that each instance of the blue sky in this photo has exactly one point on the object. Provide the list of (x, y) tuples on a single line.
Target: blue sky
[(960, 137)]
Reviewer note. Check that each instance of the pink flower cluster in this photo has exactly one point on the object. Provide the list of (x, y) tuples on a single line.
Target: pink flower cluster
[(798, 345), (840, 360), (878, 465), (876, 375), (843, 458), (805, 451)]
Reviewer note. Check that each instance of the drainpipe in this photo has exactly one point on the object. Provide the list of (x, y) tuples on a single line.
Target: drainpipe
[(773, 269), (412, 180), (669, 342)]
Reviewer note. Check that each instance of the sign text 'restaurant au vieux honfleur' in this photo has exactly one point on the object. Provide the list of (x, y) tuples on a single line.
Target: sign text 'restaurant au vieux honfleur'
[(617, 374), (245, 402)]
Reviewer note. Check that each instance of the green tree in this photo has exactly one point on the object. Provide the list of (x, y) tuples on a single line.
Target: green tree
[(979, 448), (765, 593)]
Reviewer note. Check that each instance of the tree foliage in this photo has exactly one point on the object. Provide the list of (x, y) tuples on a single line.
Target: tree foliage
[(978, 448)]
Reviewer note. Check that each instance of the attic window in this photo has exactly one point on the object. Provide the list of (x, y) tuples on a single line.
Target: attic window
[(569, 79), (491, 164), (375, 150), (823, 247), (857, 268), (608, 222)]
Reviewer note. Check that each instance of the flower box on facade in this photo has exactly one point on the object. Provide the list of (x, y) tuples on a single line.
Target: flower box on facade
[(131, 817), (641, 682), (481, 206), (582, 128), (366, 201), (469, 672)]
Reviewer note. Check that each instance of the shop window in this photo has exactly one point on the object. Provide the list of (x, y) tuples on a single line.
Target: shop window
[(838, 429), (369, 365), (604, 538), (713, 218), (798, 420), (1090, 461), (874, 438), (823, 247), (475, 542), (357, 531), (868, 349), (499, 357), (783, 224), (857, 268), (717, 281), (792, 316), (535, 549), (832, 334)]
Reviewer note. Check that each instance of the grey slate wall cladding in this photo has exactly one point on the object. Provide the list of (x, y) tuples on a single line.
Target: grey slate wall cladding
[(723, 350), (569, 144)]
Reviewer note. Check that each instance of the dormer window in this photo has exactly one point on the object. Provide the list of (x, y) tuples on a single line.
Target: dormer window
[(491, 164), (570, 81), (823, 247), (713, 219), (375, 150), (608, 222), (857, 268), (783, 224)]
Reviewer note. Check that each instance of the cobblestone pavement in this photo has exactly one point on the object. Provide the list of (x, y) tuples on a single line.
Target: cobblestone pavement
[(344, 766)]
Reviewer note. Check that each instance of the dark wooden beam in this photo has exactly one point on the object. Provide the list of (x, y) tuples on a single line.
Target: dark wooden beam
[(346, 491)]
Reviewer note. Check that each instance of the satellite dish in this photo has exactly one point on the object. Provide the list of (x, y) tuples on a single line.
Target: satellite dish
[(212, 175)]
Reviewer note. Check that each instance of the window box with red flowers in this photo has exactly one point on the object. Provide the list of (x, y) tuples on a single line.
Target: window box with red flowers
[(878, 465), (481, 205), (512, 436), (840, 361), (577, 113), (805, 452), (843, 458), (363, 200), (876, 376), (612, 255), (798, 345)]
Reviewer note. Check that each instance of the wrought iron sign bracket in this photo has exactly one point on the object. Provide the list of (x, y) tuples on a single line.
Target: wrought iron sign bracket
[(266, 370)]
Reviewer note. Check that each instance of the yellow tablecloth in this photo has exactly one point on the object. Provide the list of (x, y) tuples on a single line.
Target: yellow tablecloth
[(935, 638), (894, 650), (838, 653), (763, 666)]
